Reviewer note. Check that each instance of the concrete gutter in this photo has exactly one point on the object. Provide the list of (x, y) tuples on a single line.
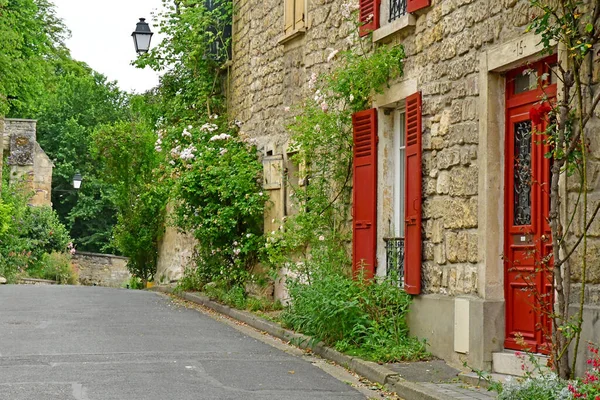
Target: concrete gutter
[(370, 370)]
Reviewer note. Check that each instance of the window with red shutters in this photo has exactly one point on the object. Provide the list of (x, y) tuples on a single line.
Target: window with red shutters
[(364, 193), (413, 196), (368, 16), (415, 5)]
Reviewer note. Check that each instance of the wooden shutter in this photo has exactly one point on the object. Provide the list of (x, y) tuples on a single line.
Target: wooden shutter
[(288, 15), (364, 194), (413, 199), (368, 16), (415, 5), (299, 14)]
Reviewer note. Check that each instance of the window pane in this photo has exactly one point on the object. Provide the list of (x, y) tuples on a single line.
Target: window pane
[(553, 78), (526, 81), (401, 177), (522, 174)]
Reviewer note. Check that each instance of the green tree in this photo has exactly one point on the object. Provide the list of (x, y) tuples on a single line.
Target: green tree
[(125, 151), (77, 101), (32, 36)]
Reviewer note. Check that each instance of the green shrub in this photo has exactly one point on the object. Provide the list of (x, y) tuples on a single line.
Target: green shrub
[(135, 283), (189, 282), (355, 316), (544, 387), (219, 197), (56, 266), (261, 304), (234, 296), (27, 234)]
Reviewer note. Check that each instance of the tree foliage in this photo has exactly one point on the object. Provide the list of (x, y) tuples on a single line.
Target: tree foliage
[(216, 174), (32, 36), (196, 46), (125, 151), (40, 80), (79, 100)]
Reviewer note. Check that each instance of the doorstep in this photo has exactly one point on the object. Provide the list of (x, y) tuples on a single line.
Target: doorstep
[(389, 375), (511, 362)]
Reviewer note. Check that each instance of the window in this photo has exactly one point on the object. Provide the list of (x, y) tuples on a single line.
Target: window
[(394, 245), (294, 16), (220, 47), (397, 9), (395, 15), (399, 173)]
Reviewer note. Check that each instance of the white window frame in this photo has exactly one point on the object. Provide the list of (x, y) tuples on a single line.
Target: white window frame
[(399, 146)]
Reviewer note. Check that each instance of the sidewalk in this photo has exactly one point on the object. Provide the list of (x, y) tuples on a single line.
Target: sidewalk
[(428, 380)]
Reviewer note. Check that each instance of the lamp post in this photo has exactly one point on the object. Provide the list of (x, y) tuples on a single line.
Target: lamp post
[(141, 36), (77, 180)]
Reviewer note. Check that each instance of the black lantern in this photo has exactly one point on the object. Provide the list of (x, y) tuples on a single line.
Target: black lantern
[(141, 36), (77, 180)]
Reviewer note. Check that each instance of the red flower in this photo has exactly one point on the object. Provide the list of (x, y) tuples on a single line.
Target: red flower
[(538, 113)]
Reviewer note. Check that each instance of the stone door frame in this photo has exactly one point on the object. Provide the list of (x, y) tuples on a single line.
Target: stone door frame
[(493, 65)]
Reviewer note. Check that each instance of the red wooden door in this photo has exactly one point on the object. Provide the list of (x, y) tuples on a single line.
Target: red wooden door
[(527, 274), (364, 193)]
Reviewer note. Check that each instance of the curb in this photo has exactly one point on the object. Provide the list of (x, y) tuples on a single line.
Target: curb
[(370, 370)]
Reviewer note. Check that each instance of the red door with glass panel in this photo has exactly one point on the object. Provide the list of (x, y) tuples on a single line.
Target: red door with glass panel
[(527, 270)]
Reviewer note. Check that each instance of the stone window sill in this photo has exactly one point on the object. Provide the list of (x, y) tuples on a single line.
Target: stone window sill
[(292, 35), (393, 27)]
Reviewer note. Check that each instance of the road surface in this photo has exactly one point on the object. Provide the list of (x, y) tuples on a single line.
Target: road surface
[(93, 343)]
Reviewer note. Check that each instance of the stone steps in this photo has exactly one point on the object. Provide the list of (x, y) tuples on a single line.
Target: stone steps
[(515, 363)]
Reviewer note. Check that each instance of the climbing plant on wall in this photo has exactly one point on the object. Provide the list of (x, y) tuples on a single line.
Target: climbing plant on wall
[(216, 189), (322, 141)]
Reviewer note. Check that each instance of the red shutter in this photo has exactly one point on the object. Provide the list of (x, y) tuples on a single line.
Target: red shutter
[(414, 5), (369, 16), (413, 200), (364, 194)]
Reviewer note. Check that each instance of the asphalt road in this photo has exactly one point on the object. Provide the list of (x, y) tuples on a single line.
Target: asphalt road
[(92, 343)]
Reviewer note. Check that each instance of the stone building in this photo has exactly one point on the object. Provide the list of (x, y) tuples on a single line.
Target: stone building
[(26, 160), (464, 95)]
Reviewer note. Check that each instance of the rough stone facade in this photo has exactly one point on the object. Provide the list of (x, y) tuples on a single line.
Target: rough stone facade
[(101, 269), (442, 57), (175, 253), (458, 52), (27, 160)]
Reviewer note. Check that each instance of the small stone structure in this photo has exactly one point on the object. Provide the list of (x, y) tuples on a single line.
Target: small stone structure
[(26, 159), (101, 269), (175, 253)]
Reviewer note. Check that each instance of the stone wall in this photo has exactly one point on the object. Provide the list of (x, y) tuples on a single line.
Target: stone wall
[(42, 178), (267, 76), (458, 52), (27, 160), (443, 46), (101, 269), (175, 253)]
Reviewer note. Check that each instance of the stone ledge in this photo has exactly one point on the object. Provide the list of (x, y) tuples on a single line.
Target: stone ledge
[(291, 36), (370, 370), (397, 25), (89, 254)]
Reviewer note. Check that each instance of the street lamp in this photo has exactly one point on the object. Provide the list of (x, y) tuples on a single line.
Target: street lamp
[(77, 180), (141, 36)]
